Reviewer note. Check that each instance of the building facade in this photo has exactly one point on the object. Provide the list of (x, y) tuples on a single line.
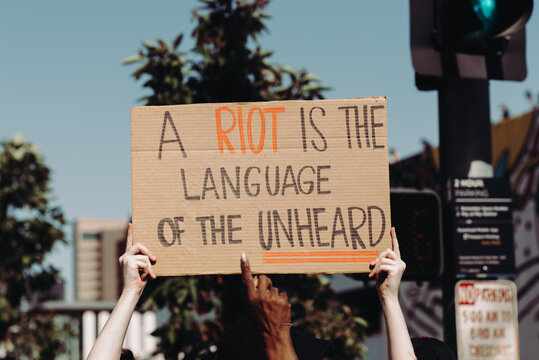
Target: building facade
[(98, 245)]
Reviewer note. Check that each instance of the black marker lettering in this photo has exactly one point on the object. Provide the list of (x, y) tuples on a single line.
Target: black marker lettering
[(161, 232), (306, 182), (307, 226), (289, 173), (277, 182), (383, 227), (246, 182), (354, 235), (224, 176), (277, 222), (320, 179), (208, 176), (202, 220), (265, 246), (232, 229), (347, 117), (318, 228), (216, 230), (187, 197), (324, 147), (342, 230), (303, 134), (374, 125), (163, 141), (365, 126)]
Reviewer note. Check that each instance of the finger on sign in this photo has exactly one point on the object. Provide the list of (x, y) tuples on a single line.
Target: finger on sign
[(387, 268), (391, 255), (146, 251), (396, 248), (146, 260), (138, 248), (375, 270), (264, 283), (246, 274), (388, 261), (129, 241), (382, 255), (143, 267)]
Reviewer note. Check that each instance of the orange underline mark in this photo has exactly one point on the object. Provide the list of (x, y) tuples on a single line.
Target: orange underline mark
[(322, 253), (319, 260)]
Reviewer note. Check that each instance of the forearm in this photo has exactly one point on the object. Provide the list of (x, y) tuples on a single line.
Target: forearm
[(280, 347), (109, 342), (399, 343)]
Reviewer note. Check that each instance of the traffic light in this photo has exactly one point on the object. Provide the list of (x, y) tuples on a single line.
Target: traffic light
[(416, 216), (481, 39)]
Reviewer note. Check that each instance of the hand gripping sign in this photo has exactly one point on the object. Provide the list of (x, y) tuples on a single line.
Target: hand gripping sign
[(299, 186)]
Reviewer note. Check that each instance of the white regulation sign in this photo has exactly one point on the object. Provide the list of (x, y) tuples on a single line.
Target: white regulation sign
[(487, 320)]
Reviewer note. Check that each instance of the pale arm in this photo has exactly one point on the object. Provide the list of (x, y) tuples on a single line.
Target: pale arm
[(109, 342), (388, 269), (136, 267)]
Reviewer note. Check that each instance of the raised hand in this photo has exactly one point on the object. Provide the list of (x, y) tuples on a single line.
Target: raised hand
[(136, 264), (388, 268), (269, 309)]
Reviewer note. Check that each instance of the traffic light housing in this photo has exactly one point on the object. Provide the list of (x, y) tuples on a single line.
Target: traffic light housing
[(416, 216), (481, 39)]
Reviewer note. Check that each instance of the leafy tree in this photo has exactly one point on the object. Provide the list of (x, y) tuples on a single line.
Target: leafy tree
[(29, 228), (39, 336), (165, 67), (227, 64), (224, 68)]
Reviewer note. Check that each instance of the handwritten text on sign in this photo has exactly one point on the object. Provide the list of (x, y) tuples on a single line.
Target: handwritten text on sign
[(300, 186)]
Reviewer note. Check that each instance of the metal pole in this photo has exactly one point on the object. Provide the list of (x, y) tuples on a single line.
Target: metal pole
[(465, 136)]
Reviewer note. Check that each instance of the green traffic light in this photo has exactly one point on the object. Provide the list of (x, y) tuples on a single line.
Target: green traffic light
[(485, 10)]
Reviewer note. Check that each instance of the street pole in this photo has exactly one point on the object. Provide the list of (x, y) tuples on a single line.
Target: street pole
[(464, 137)]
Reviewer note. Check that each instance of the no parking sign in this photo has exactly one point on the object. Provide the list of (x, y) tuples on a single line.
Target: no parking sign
[(487, 320)]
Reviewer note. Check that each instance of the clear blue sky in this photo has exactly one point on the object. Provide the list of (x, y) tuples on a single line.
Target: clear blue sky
[(64, 87)]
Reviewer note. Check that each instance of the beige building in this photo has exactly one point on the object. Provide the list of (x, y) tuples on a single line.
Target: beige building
[(98, 244)]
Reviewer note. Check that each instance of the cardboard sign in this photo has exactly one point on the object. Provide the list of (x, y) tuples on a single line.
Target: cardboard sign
[(299, 186), (487, 320)]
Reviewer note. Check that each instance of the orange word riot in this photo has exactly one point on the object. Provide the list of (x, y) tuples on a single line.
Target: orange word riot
[(254, 114)]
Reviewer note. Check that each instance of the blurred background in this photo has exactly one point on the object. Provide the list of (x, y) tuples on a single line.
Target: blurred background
[(72, 71)]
